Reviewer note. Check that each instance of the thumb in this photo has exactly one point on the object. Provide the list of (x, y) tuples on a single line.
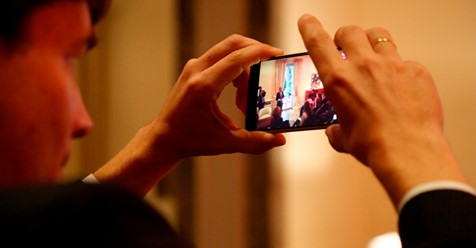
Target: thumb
[(336, 138), (257, 142)]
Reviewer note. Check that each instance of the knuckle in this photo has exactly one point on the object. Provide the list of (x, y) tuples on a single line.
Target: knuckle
[(314, 39), (236, 56), (418, 68), (190, 68), (348, 30), (198, 84), (191, 65), (378, 30), (368, 62), (235, 40), (335, 78)]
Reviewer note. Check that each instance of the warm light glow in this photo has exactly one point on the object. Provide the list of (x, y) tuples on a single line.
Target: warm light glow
[(386, 240)]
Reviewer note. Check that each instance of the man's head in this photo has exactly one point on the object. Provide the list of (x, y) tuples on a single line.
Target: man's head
[(13, 15), (40, 105)]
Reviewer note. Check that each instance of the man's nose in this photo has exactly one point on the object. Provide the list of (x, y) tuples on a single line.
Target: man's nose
[(82, 123)]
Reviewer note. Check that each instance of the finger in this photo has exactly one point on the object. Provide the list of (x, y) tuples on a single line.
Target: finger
[(241, 84), (234, 64), (257, 142), (336, 138), (382, 42), (319, 44), (222, 49), (353, 41)]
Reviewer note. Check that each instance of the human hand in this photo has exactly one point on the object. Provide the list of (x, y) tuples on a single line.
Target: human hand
[(241, 85), (390, 115), (194, 123), (191, 122)]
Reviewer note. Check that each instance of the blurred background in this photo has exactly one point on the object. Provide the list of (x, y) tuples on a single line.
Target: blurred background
[(303, 194)]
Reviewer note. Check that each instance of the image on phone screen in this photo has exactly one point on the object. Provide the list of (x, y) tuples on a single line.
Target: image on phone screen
[(286, 94)]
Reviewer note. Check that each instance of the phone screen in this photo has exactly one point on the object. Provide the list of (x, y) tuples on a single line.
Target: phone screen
[(286, 94)]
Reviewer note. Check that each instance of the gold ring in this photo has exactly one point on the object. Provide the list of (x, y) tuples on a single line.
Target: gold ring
[(382, 39)]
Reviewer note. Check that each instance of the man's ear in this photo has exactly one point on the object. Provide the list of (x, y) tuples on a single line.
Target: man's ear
[(3, 46), (8, 48), (3, 49)]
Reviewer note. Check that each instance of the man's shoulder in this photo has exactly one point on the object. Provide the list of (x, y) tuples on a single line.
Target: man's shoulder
[(105, 214), (51, 196)]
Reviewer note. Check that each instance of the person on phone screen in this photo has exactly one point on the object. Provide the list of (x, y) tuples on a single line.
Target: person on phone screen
[(279, 96)]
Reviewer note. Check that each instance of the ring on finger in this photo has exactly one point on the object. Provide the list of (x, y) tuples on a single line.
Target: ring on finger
[(383, 40)]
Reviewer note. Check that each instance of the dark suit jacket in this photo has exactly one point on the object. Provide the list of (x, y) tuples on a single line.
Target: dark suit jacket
[(81, 215), (442, 218)]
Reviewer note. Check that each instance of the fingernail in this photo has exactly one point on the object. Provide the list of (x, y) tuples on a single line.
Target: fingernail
[(268, 136)]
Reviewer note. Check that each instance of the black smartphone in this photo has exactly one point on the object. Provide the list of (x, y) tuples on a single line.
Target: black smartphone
[(286, 94)]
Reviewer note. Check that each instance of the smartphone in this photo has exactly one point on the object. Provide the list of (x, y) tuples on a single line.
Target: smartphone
[(286, 94)]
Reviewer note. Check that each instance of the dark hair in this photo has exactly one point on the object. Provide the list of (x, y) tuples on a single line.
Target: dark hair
[(13, 14)]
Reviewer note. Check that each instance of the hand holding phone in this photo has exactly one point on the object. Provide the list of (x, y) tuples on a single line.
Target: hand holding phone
[(286, 94)]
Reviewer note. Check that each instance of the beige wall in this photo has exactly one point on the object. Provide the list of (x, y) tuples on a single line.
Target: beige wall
[(220, 184), (329, 199)]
